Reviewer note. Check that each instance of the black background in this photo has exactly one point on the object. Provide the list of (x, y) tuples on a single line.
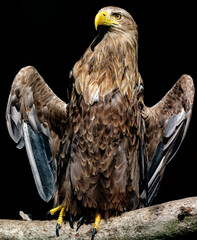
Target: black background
[(52, 36)]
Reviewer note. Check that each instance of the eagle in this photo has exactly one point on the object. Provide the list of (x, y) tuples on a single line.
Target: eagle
[(104, 151)]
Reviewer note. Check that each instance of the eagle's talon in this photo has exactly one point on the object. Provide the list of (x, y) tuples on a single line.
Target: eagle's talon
[(93, 233), (79, 223), (60, 218), (57, 229), (71, 221), (96, 225), (48, 215)]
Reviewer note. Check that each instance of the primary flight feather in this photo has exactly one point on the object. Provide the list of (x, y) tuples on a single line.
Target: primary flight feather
[(105, 151)]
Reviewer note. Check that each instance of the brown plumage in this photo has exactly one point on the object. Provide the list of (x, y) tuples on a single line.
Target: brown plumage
[(104, 151)]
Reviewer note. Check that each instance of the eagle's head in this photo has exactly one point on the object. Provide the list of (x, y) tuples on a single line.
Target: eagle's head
[(119, 27), (116, 19)]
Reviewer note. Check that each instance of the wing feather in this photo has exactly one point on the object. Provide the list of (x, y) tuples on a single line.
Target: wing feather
[(36, 118), (166, 126)]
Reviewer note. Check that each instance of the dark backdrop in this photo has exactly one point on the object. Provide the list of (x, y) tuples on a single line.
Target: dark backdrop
[(52, 35)]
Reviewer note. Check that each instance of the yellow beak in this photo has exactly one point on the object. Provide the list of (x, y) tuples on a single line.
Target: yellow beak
[(102, 19)]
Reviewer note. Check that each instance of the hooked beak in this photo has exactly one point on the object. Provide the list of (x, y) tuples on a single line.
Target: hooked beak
[(102, 19)]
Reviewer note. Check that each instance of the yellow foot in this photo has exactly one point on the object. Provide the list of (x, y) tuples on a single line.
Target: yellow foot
[(96, 225), (54, 210), (60, 218)]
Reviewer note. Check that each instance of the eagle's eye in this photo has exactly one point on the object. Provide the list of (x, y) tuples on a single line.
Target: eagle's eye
[(117, 16)]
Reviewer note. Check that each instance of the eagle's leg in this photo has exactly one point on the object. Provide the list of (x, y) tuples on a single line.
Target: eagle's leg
[(60, 220), (96, 225)]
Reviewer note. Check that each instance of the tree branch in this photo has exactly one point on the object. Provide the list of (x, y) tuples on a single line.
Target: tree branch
[(170, 219)]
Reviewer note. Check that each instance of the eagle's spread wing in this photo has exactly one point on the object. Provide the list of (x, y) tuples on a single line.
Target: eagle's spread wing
[(36, 118), (166, 125)]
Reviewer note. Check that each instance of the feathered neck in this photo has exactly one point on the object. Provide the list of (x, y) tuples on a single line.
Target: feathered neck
[(109, 63)]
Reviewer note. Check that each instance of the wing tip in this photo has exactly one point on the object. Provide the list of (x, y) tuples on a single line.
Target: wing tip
[(185, 78), (27, 71), (29, 67), (187, 84)]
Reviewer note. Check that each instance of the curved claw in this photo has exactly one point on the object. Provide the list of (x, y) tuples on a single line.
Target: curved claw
[(96, 225), (93, 233), (57, 229), (79, 223), (48, 215), (71, 221)]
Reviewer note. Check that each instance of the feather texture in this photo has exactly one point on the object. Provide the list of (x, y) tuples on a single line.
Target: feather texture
[(39, 154)]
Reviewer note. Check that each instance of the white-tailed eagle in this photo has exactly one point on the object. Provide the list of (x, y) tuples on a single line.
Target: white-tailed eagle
[(103, 152)]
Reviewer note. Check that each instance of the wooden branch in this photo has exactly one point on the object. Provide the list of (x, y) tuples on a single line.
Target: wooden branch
[(170, 219)]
